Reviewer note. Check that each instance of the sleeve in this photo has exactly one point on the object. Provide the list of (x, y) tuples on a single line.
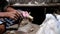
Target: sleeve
[(1, 22)]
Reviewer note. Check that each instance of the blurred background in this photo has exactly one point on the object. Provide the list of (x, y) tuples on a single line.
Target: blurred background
[(27, 1), (38, 12)]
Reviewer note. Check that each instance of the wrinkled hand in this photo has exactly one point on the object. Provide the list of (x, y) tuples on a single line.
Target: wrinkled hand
[(12, 13)]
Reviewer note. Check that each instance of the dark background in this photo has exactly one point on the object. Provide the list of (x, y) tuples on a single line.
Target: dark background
[(38, 12)]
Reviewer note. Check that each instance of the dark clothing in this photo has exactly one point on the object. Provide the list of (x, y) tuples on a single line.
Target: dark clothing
[(3, 3)]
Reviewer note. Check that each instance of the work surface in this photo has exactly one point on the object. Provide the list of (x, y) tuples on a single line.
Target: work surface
[(27, 29)]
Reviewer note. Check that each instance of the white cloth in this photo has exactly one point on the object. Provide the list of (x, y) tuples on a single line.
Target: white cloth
[(51, 25)]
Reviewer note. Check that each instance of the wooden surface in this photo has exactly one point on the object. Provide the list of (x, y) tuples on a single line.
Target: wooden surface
[(36, 27), (42, 4)]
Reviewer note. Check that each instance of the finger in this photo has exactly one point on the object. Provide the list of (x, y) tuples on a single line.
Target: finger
[(15, 17), (12, 17), (17, 14)]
